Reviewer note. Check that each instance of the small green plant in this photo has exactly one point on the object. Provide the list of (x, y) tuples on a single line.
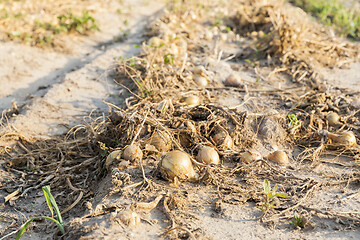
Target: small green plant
[(69, 22), (270, 196), (298, 221), (50, 200), (293, 120), (169, 59)]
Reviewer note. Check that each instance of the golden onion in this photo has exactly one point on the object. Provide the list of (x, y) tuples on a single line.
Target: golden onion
[(250, 156), (191, 100), (232, 81), (177, 164), (280, 157), (161, 141), (346, 138), (201, 81), (132, 153), (333, 118), (114, 155), (222, 138), (208, 155)]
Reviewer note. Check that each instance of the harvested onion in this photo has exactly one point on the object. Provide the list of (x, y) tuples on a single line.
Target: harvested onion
[(232, 81), (191, 100), (250, 156), (177, 164), (201, 81), (114, 155), (222, 138), (161, 141), (346, 138), (199, 70), (280, 157), (332, 118), (208, 155), (133, 153)]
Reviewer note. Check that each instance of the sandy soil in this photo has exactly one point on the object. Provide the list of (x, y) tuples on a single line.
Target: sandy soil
[(55, 91)]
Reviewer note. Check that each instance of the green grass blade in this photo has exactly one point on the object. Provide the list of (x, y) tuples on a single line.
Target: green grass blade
[(47, 198), (266, 186), (24, 227), (282, 195), (53, 203)]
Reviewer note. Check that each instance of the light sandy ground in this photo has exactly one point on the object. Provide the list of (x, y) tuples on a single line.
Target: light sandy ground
[(54, 91)]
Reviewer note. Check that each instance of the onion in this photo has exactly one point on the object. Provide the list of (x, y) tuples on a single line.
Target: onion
[(280, 157), (191, 100), (177, 164), (250, 156), (201, 81), (208, 155), (161, 141), (133, 153), (232, 81), (114, 155), (223, 138), (332, 118), (199, 70), (346, 138)]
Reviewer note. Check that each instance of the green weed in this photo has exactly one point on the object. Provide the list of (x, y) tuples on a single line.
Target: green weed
[(293, 120), (270, 196), (298, 221), (50, 200), (333, 13), (43, 33)]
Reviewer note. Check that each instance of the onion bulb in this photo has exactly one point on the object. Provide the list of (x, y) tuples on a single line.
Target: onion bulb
[(191, 100), (199, 70), (177, 164), (222, 138), (280, 157), (114, 155), (232, 81), (346, 138), (201, 81), (332, 118), (208, 155), (161, 141), (250, 156), (132, 153)]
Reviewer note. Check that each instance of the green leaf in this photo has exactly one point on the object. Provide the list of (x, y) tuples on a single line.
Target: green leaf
[(53, 203), (47, 198), (266, 186), (273, 191), (24, 227), (282, 195)]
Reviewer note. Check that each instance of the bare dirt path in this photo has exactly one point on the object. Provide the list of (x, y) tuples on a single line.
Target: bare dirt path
[(52, 89)]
